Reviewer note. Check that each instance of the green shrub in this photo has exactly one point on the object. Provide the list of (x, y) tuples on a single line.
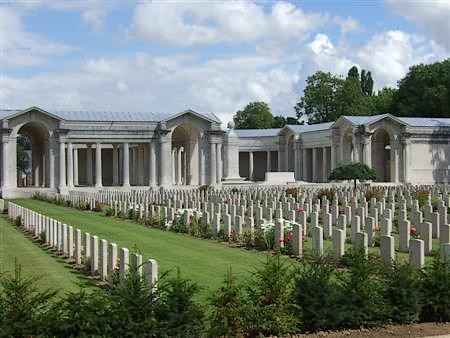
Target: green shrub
[(23, 309), (402, 291), (42, 236), (360, 302), (315, 294), (109, 212), (435, 292), (228, 309), (177, 314), (18, 221), (271, 309)]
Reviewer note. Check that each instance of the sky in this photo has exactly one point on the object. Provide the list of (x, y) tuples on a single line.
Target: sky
[(209, 56)]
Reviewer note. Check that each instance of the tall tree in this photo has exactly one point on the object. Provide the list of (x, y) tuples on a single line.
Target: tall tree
[(280, 121), (383, 101), (255, 115), (318, 103), (350, 97), (366, 82), (424, 91)]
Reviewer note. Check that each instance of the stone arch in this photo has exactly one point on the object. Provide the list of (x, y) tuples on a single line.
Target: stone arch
[(38, 135), (186, 152), (382, 143)]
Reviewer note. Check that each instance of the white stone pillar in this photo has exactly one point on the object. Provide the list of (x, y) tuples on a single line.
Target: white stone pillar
[(51, 165), (174, 165), (75, 167), (62, 165), (280, 159), (333, 157), (219, 162), (394, 161), (286, 157), (98, 165), (126, 164), (89, 164), (202, 169), (269, 161), (115, 163), (314, 164), (250, 165), (406, 161), (5, 164), (151, 164), (179, 165), (324, 164), (305, 164), (165, 160), (367, 149), (212, 160), (70, 165), (296, 168)]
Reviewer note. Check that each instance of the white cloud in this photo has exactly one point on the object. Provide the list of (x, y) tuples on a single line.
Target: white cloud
[(22, 48), (142, 82), (197, 23), (433, 17), (349, 25), (95, 17)]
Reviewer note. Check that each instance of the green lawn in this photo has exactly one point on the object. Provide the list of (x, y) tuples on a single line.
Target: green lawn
[(203, 261), (34, 260)]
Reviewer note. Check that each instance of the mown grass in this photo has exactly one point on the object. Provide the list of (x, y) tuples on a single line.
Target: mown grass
[(35, 262), (203, 261)]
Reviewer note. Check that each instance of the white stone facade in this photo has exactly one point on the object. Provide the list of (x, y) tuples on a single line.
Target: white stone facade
[(100, 150)]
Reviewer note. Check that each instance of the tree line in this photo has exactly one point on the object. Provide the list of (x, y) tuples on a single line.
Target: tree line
[(423, 92)]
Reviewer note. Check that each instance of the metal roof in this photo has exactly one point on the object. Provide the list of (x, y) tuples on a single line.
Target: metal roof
[(109, 116), (425, 121), (256, 132), (310, 127)]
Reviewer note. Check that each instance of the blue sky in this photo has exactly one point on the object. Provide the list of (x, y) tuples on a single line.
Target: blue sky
[(167, 56)]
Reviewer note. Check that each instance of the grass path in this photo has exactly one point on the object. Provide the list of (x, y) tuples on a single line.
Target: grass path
[(35, 261), (203, 261)]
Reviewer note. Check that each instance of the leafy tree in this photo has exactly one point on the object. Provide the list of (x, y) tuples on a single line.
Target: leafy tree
[(319, 102), (281, 121), (353, 171), (256, 115), (23, 159), (424, 91), (384, 100)]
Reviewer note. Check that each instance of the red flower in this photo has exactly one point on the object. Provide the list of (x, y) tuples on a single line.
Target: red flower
[(300, 209), (376, 229), (304, 238), (413, 230)]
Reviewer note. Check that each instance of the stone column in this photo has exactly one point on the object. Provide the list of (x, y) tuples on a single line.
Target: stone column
[(62, 164), (304, 165), (98, 165), (179, 165), (75, 167), (5, 163), (286, 155), (314, 164), (212, 160), (51, 164), (324, 164), (268, 161), (219, 162), (174, 165), (126, 164), (89, 164), (70, 165), (165, 160), (406, 155), (280, 159), (151, 164), (202, 169), (333, 157), (367, 150), (296, 168), (115, 163), (250, 165), (394, 161)]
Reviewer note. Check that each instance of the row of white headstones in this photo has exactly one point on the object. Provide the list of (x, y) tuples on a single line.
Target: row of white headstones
[(228, 211), (80, 247)]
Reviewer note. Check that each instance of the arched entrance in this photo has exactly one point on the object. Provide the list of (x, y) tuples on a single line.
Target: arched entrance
[(185, 155), (381, 154), (32, 155)]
